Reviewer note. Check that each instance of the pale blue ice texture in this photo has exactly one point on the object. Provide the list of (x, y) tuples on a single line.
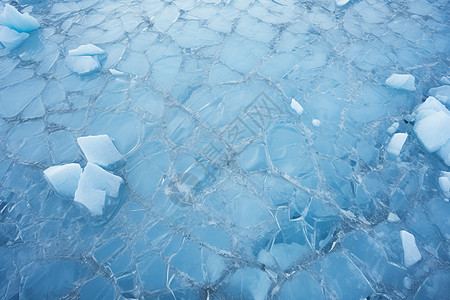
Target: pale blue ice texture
[(290, 211)]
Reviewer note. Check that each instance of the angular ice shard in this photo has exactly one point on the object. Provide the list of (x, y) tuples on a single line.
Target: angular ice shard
[(444, 183), (94, 185), (100, 150), (393, 218), (401, 81), (396, 143), (85, 59), (411, 254), (87, 50), (83, 65), (442, 93), (296, 106), (341, 2), (64, 178), (13, 19), (432, 131), (10, 38)]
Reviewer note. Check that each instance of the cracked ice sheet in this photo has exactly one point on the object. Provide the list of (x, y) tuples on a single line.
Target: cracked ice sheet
[(209, 212)]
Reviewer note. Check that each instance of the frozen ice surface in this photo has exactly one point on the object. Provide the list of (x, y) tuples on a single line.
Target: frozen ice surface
[(64, 179), (411, 253), (10, 38), (202, 178), (401, 81), (100, 150), (396, 143), (13, 19)]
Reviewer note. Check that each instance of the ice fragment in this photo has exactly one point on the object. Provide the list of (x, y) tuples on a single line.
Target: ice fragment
[(401, 81), (411, 254)]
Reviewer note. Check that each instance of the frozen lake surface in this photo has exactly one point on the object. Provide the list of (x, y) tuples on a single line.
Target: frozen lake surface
[(232, 149)]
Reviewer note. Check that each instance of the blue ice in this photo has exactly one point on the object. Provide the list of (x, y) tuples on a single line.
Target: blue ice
[(198, 149)]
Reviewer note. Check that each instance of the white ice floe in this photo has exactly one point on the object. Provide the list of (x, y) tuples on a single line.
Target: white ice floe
[(100, 150), (296, 106), (10, 38), (341, 2), (393, 218), (444, 183), (13, 19), (316, 123), (396, 143), (64, 178), (87, 50), (432, 123), (94, 186), (411, 253), (85, 59), (401, 81)]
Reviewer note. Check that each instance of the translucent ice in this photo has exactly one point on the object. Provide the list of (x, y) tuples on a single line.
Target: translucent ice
[(87, 50), (396, 143), (411, 254), (13, 19), (100, 150), (444, 183), (441, 93), (94, 185), (83, 65), (10, 38), (64, 178), (401, 81)]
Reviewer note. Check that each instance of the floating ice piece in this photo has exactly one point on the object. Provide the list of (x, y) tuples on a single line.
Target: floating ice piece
[(296, 106), (411, 253), (64, 179), (13, 19), (116, 72), (441, 93), (100, 150), (87, 50), (444, 183), (393, 218), (401, 81), (429, 107), (94, 185), (396, 143), (316, 122), (445, 79), (393, 128), (433, 131), (10, 38), (82, 65), (341, 2)]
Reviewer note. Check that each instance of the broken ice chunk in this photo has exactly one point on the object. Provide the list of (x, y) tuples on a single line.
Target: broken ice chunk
[(393, 128), (64, 178), (341, 2), (401, 81), (87, 50), (95, 178), (411, 253), (396, 143), (444, 183), (115, 72), (429, 107), (100, 150), (432, 131), (13, 19), (393, 218), (296, 106), (94, 200), (441, 93), (10, 38), (82, 65), (316, 123)]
